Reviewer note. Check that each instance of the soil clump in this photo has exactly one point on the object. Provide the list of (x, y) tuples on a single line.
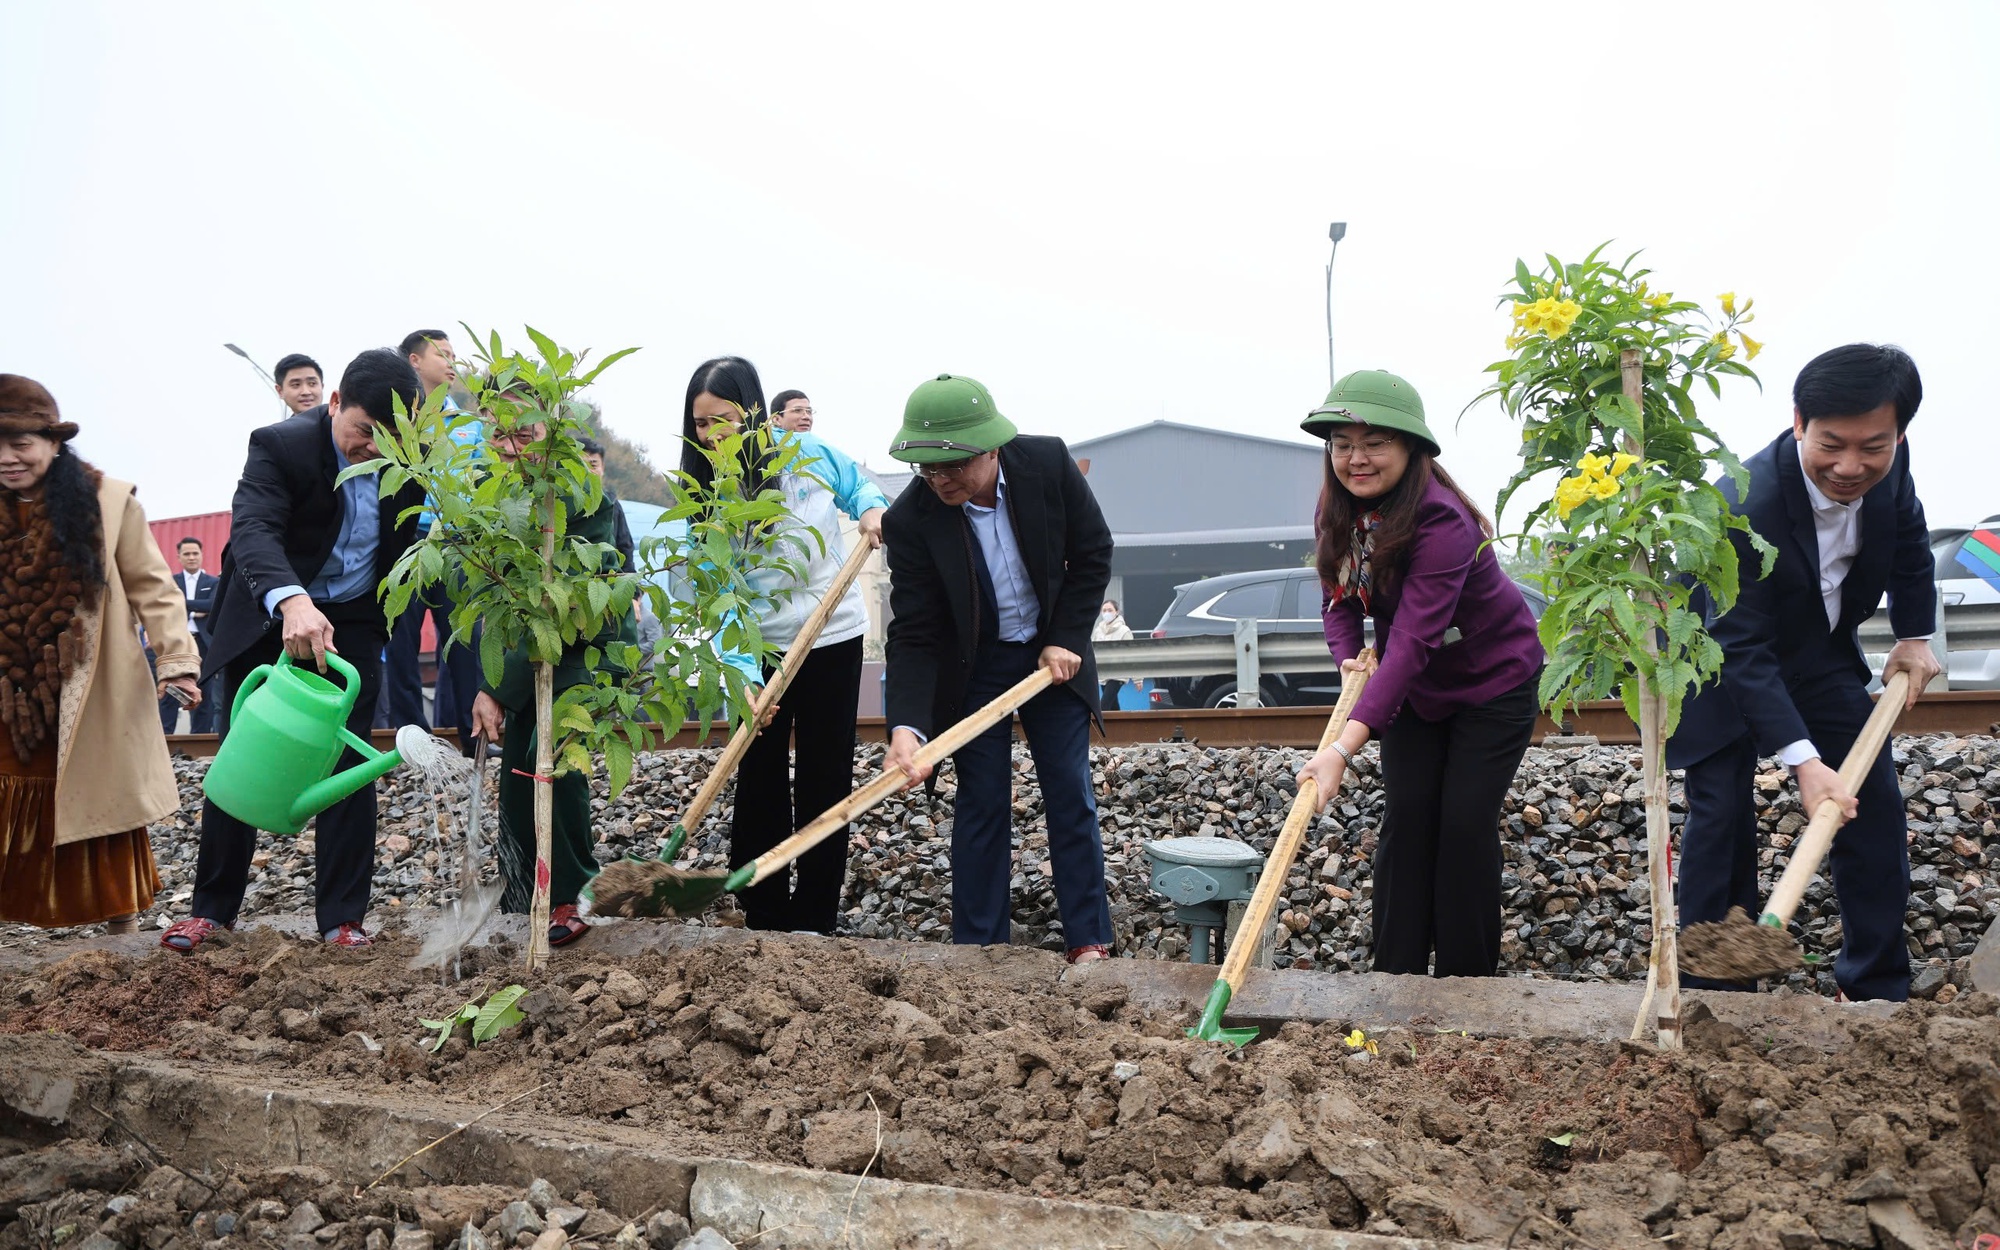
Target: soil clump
[(824, 1054)]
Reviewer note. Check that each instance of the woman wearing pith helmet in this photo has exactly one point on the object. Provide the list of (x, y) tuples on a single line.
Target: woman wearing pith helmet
[(1454, 699)]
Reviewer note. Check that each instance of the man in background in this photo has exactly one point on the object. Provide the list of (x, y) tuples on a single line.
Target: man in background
[(299, 382), (791, 410), (430, 355), (198, 588), (593, 455)]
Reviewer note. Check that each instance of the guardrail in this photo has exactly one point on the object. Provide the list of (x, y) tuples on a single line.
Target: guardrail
[(1961, 627)]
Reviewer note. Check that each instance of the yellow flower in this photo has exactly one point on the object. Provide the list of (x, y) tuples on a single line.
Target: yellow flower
[(1358, 1040), (1593, 466), (1571, 493), (1724, 348), (1621, 462), (1750, 346), (1640, 291), (1515, 340), (1568, 310), (1660, 300), (1728, 299), (1604, 487)]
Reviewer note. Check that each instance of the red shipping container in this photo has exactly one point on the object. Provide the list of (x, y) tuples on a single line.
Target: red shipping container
[(210, 528)]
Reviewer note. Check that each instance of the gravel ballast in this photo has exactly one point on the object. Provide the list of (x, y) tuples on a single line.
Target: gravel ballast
[(1573, 832)]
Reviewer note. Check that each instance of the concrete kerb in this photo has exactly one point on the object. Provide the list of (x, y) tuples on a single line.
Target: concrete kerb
[(1480, 1006), (215, 1121)]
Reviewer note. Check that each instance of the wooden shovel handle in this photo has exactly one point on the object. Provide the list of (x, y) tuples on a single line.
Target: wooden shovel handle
[(892, 779), (795, 657), (1810, 850), (1278, 865)]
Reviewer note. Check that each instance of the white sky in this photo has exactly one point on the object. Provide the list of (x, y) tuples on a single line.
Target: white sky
[(1107, 213)]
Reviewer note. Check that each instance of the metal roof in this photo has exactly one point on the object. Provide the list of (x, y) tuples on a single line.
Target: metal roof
[(1166, 483), (1193, 482)]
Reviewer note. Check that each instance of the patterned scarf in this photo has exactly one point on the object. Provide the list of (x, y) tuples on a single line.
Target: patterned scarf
[(41, 635), (1355, 577)]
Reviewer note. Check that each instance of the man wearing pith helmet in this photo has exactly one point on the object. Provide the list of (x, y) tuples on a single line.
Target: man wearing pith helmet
[(998, 565)]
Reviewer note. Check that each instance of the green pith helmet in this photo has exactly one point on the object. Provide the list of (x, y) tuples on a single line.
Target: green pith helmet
[(1372, 397), (949, 418)]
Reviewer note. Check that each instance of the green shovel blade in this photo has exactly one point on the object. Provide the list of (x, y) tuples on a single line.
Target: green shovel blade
[(1210, 1028)]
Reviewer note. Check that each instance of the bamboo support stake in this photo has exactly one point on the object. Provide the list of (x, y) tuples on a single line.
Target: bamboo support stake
[(1663, 979), (538, 910), (746, 733)]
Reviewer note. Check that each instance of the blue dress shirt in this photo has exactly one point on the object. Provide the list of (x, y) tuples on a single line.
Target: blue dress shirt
[(1020, 609), (349, 572)]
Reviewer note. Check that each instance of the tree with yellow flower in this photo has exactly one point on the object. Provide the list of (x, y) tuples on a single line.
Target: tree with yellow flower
[(1602, 377)]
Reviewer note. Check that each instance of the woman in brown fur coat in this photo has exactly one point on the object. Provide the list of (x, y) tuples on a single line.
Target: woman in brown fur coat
[(83, 764)]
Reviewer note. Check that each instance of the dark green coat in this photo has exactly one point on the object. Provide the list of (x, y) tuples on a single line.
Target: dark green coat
[(516, 688)]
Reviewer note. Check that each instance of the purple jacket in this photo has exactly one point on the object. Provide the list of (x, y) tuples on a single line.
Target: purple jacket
[(1453, 582)]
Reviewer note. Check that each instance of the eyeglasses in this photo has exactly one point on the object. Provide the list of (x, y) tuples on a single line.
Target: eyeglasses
[(1369, 448), (796, 412), (949, 468)]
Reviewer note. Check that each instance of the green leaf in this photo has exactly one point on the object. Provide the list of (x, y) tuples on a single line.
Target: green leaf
[(498, 1014), (1565, 1141), (618, 762), (449, 1024)]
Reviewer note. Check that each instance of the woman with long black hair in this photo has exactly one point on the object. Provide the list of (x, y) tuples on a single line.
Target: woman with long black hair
[(776, 793), (83, 762), (1454, 699)]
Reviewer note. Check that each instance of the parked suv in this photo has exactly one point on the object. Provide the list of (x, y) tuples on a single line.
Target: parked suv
[(1283, 601), (1958, 582)]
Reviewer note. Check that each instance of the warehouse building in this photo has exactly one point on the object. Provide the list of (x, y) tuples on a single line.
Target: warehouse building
[(1184, 502)]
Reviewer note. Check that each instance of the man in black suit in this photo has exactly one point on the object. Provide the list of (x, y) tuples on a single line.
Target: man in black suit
[(299, 575), (1835, 497), (198, 588), (995, 569)]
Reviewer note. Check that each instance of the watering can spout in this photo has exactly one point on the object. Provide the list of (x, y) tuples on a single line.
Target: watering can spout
[(321, 795)]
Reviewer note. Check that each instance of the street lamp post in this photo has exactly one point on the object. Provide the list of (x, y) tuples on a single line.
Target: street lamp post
[(253, 364), (1336, 232)]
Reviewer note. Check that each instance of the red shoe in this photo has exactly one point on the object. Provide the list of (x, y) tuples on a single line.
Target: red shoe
[(1087, 954), (187, 934), (565, 926), (350, 935)]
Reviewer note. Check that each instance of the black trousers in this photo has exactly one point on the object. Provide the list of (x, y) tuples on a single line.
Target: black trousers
[(202, 720), (1870, 855), (344, 834), (1437, 861), (777, 794)]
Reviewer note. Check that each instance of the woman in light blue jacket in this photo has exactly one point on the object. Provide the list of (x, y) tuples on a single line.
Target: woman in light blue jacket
[(775, 794)]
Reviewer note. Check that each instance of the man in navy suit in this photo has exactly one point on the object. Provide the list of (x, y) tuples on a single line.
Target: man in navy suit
[(198, 588), (1835, 497)]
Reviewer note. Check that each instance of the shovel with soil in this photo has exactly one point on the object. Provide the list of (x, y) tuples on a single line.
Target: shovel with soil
[(636, 887), (1737, 950), (739, 742), (1271, 885)]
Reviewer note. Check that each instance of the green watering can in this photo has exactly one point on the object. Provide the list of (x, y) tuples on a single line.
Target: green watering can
[(274, 769)]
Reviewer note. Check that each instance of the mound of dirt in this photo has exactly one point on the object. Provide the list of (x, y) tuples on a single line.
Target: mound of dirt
[(825, 1054)]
